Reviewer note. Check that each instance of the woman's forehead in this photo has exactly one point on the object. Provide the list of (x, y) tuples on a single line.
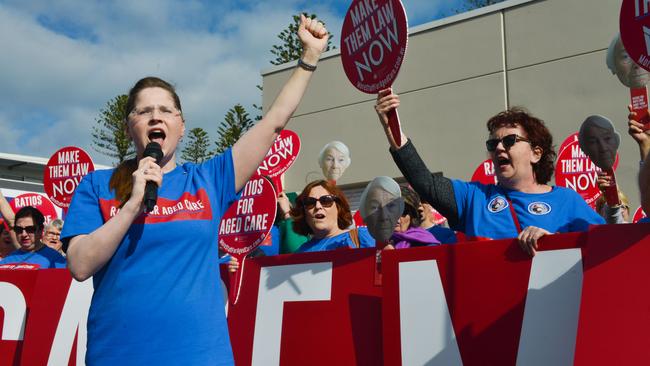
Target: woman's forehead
[(318, 191), (508, 130), (154, 96)]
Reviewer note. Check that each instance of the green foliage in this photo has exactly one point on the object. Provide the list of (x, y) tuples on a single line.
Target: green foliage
[(197, 147), (109, 134), (235, 123), (290, 48)]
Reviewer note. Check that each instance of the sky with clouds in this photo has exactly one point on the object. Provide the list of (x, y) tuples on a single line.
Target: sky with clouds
[(61, 61)]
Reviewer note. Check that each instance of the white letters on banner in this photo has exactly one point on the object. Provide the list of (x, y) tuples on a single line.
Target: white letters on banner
[(14, 306), (554, 288), (296, 282), (74, 318), (427, 334)]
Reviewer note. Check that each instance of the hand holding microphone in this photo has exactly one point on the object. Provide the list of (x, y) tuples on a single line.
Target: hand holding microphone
[(152, 150)]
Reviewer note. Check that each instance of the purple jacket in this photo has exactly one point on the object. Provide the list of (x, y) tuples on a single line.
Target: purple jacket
[(415, 237)]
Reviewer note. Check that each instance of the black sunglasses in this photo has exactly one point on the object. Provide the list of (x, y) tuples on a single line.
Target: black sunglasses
[(28, 229), (325, 201), (508, 142)]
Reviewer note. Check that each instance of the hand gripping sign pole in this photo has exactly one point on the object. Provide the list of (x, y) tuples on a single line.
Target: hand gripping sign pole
[(246, 223), (373, 46)]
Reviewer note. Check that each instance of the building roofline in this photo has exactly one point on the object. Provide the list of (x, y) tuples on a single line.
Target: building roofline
[(419, 29)]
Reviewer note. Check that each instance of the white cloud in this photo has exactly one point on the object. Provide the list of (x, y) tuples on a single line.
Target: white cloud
[(61, 62)]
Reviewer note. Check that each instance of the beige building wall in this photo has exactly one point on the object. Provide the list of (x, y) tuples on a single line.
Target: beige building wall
[(545, 55)]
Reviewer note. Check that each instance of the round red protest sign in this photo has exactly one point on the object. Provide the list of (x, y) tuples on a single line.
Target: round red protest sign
[(63, 173), (373, 43), (281, 156), (37, 201), (576, 171), (634, 24), (485, 173), (571, 138), (638, 215), (249, 219)]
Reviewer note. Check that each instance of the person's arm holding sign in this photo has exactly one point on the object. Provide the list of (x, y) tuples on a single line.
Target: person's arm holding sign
[(437, 190), (8, 214), (251, 148)]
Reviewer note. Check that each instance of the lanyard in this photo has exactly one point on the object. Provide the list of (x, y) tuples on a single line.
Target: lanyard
[(512, 212)]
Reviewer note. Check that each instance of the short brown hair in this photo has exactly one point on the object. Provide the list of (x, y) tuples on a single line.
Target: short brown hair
[(536, 132), (344, 218)]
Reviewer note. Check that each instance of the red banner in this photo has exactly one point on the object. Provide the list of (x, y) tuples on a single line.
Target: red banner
[(580, 300)]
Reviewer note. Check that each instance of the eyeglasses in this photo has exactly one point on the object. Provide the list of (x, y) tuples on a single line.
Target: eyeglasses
[(149, 111), (325, 201), (28, 229), (508, 142)]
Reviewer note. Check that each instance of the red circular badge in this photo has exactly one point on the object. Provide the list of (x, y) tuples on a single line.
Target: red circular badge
[(373, 43), (249, 219), (634, 23), (63, 173), (37, 201), (576, 171), (638, 215), (485, 173)]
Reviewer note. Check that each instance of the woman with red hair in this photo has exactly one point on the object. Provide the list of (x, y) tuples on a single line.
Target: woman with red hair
[(323, 213)]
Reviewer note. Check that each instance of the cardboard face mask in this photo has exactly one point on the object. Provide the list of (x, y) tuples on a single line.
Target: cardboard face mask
[(599, 141), (334, 159), (381, 206), (620, 63)]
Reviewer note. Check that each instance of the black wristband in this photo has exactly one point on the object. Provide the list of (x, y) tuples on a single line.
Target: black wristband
[(306, 66)]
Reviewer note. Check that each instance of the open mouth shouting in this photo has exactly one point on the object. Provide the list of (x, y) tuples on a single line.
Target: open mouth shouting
[(503, 162), (157, 135)]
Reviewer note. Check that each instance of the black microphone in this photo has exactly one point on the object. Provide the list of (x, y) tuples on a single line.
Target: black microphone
[(153, 150)]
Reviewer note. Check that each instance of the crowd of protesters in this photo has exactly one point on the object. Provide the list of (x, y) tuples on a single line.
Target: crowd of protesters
[(142, 273), (320, 218)]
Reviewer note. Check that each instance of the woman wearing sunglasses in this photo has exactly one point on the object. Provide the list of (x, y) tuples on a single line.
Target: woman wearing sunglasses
[(323, 213), (33, 253), (521, 205)]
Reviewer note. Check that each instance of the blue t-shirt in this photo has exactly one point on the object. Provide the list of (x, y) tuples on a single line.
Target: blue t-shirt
[(443, 234), (43, 258), (338, 241), (158, 300), (484, 211)]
